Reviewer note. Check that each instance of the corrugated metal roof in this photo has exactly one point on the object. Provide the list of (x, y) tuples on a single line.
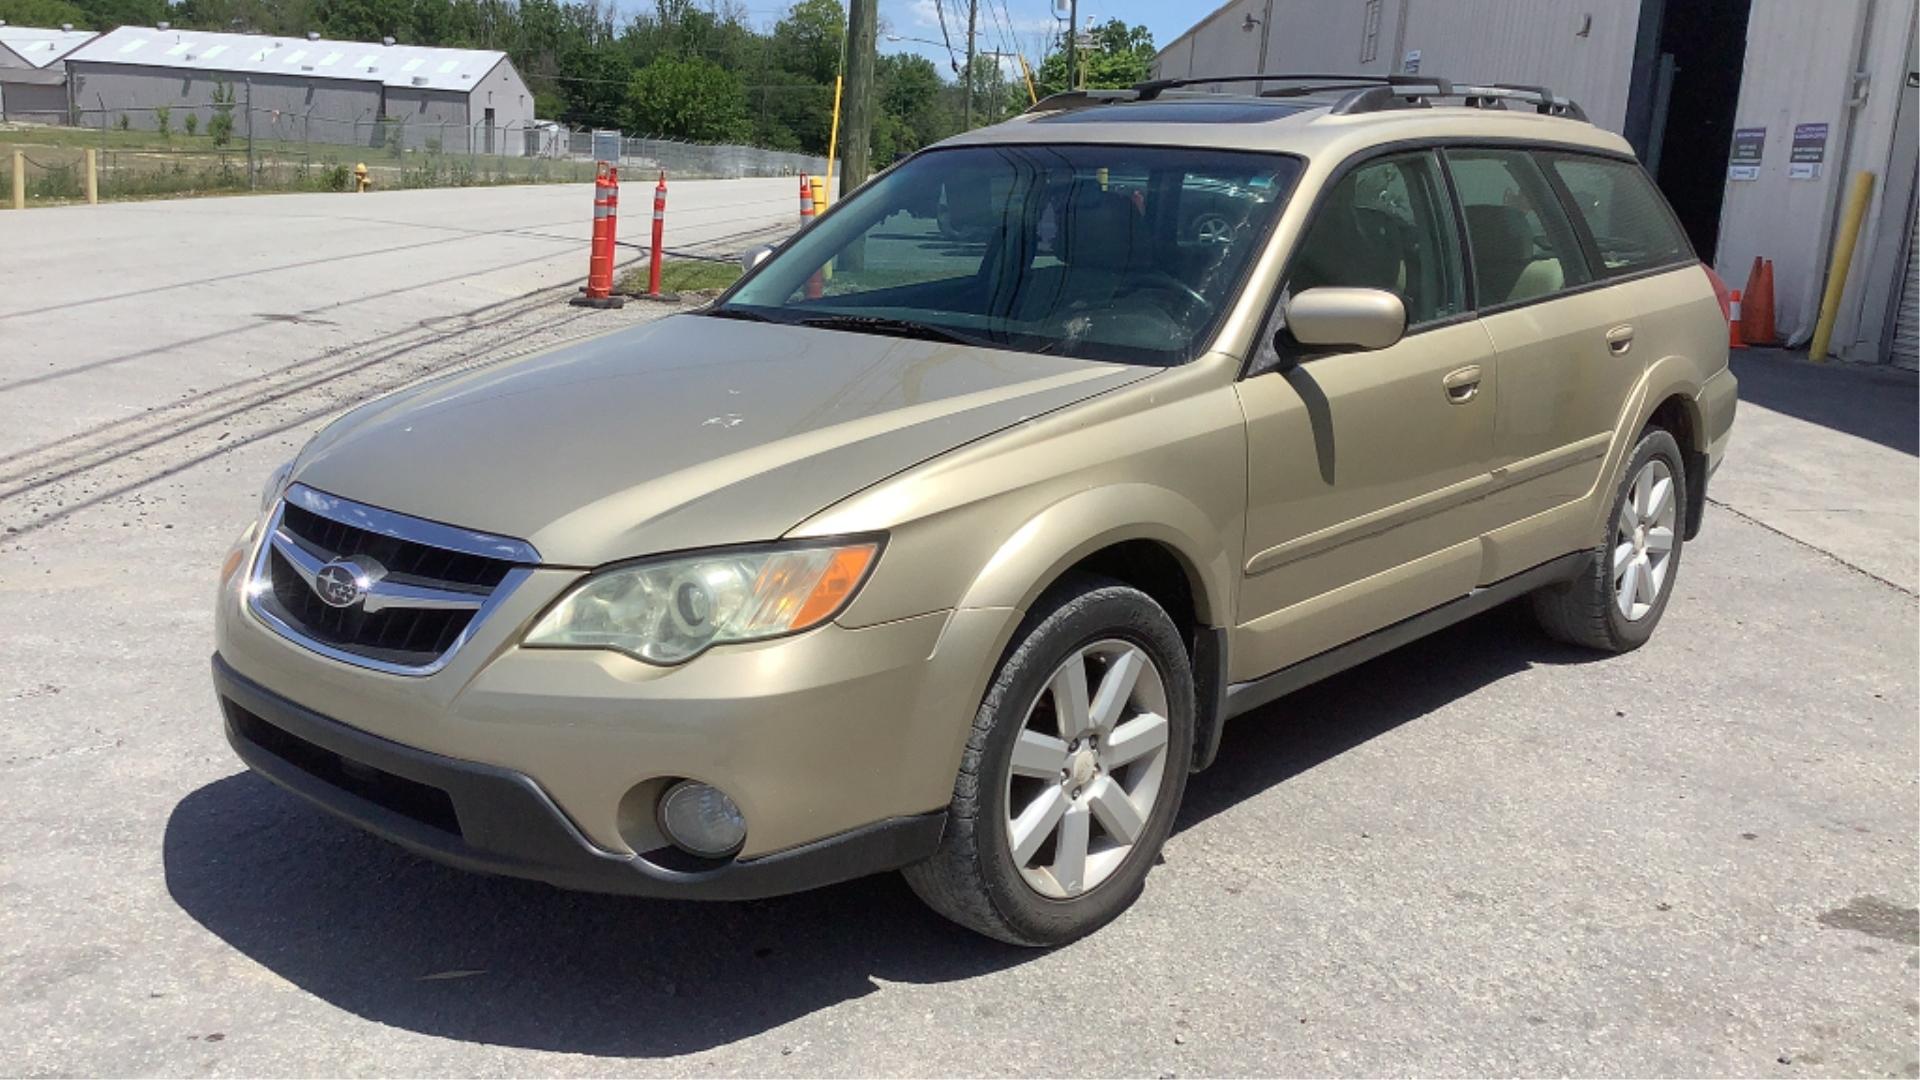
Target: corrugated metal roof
[(266, 54), (39, 47)]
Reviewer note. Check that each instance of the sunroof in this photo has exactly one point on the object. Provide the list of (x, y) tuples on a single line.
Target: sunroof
[(1230, 111)]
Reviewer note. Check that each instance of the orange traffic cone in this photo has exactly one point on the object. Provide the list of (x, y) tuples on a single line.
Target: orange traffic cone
[(1756, 312), (1733, 321)]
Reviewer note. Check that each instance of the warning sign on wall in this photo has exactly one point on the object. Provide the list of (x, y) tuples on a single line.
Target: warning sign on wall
[(1809, 151), (1748, 146)]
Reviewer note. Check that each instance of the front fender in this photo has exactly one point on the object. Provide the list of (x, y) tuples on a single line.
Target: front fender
[(1051, 542)]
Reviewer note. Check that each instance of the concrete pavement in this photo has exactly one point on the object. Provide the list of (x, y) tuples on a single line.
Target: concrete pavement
[(1483, 854), (1826, 455)]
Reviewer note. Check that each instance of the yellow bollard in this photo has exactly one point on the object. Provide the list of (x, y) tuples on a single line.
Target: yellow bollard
[(820, 207), (833, 139), (19, 180), (93, 177), (1857, 199)]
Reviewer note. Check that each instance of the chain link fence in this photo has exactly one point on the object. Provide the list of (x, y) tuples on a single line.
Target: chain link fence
[(223, 146)]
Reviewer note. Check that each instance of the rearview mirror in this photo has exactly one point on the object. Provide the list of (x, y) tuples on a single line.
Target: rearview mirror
[(754, 256), (1346, 318)]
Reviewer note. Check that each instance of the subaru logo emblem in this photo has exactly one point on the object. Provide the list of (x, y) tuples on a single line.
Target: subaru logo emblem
[(341, 583)]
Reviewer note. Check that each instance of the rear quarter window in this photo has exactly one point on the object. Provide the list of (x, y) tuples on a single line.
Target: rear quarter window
[(1632, 228)]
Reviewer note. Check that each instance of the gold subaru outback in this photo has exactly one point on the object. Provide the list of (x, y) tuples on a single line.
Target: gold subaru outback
[(947, 539)]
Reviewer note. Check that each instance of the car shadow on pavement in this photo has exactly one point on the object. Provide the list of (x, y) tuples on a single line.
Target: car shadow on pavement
[(401, 941), (1274, 743)]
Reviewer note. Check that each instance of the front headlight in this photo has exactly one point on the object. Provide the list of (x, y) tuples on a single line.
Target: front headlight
[(668, 612), (276, 483)]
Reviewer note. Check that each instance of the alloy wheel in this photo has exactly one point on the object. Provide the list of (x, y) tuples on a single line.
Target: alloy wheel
[(1643, 541), (1087, 766)]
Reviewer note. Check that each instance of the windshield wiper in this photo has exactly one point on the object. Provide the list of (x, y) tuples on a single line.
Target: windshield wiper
[(743, 314), (880, 324)]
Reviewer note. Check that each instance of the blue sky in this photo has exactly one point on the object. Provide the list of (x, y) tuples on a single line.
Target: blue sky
[(1032, 21)]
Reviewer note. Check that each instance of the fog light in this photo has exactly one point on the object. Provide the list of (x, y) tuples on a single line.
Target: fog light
[(700, 819)]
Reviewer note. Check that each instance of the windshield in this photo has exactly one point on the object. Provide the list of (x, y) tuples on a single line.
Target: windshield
[(1123, 253)]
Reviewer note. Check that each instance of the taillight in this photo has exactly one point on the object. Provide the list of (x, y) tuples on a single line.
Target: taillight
[(1720, 293)]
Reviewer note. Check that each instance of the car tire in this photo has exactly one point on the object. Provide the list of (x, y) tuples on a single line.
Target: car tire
[(1618, 599), (1104, 629)]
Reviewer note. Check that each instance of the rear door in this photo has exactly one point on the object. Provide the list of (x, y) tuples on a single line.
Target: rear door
[(1568, 346)]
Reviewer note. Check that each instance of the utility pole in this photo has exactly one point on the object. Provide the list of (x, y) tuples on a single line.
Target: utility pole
[(973, 14), (1073, 44), (251, 175), (856, 164)]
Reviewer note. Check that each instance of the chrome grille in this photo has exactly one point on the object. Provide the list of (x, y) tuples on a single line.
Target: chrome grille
[(375, 588)]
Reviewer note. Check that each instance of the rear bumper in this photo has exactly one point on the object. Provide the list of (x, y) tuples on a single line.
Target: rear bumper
[(495, 820), (1717, 400)]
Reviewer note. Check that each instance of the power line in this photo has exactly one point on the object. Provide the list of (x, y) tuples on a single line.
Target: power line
[(940, 13)]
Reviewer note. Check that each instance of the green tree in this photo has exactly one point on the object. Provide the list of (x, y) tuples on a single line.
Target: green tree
[(807, 41), (687, 99), (1118, 56), (593, 85), (44, 13), (908, 88), (220, 125), (104, 15), (246, 16)]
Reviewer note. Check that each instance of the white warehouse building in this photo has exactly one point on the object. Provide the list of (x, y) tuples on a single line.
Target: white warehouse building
[(33, 71), (306, 88), (1818, 92)]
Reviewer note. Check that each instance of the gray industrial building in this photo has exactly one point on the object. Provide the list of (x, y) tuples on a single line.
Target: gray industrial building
[(1756, 117), (33, 71), (306, 88)]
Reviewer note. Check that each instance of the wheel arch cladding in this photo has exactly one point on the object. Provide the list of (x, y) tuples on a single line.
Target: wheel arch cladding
[(1127, 529), (1679, 415), (1125, 536)]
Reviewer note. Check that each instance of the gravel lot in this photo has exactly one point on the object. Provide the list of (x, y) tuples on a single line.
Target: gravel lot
[(1483, 854)]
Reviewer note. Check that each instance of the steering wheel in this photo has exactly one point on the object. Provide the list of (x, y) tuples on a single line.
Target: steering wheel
[(1160, 281)]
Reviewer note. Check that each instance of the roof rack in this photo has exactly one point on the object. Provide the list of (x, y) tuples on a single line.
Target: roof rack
[(1359, 93), (1153, 88), (1415, 92)]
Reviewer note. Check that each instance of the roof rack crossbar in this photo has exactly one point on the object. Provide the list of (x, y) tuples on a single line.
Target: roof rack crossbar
[(1153, 88), (1360, 93), (1417, 93)]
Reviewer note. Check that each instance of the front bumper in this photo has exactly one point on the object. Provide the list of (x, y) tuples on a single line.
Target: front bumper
[(816, 736), (495, 820)]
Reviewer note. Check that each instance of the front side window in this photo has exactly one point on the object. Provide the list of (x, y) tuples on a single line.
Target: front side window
[(1121, 253), (1387, 224), (1629, 221), (1524, 247)]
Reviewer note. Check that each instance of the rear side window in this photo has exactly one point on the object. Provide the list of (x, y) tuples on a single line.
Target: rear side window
[(1631, 226), (1524, 247)]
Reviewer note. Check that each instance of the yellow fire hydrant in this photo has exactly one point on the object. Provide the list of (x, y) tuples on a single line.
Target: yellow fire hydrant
[(360, 180)]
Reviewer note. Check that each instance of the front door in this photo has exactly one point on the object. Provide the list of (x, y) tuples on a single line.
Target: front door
[(1365, 469)]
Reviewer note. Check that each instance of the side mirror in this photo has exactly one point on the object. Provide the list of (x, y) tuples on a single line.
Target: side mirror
[(1341, 318), (754, 256)]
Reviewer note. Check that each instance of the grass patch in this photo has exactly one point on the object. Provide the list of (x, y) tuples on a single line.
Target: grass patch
[(143, 165), (683, 276)]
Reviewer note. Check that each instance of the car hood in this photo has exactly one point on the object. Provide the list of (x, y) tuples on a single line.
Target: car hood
[(686, 432)]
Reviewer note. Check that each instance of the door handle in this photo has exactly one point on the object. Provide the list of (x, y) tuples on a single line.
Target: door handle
[(1619, 340), (1462, 384)]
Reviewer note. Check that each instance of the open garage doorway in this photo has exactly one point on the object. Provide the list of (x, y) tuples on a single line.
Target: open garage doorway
[(1686, 82)]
